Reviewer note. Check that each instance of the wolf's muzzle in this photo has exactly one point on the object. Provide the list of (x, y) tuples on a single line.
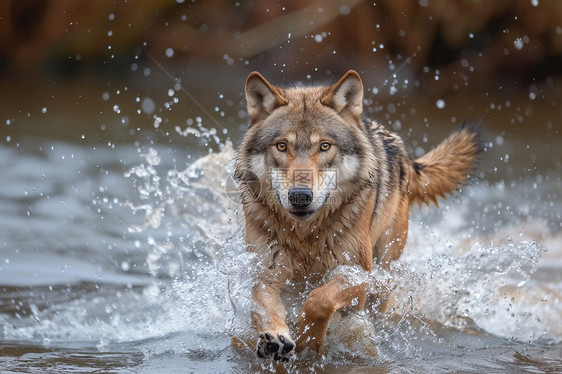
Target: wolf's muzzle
[(300, 197)]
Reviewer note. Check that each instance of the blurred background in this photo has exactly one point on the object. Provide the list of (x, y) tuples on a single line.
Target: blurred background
[(469, 57), (512, 42), (113, 228)]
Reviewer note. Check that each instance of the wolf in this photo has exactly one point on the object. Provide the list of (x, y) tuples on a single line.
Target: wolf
[(323, 187)]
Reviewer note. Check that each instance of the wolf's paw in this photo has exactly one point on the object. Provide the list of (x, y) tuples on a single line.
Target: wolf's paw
[(277, 346)]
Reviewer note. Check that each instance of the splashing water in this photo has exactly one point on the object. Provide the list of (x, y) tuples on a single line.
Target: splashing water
[(454, 289), (464, 284)]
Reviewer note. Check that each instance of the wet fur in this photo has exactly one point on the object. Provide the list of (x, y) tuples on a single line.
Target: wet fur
[(366, 217)]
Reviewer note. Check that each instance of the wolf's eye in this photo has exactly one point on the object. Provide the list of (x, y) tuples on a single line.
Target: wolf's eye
[(325, 146), (282, 147)]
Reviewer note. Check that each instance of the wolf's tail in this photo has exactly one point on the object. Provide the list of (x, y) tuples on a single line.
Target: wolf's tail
[(444, 168)]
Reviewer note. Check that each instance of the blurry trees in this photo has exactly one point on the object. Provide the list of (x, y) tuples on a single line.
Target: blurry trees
[(482, 38)]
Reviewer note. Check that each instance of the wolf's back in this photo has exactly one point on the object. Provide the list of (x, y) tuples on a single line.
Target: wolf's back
[(444, 168)]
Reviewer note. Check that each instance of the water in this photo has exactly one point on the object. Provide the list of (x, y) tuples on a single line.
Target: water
[(130, 258)]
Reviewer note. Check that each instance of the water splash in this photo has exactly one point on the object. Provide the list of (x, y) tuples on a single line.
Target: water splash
[(190, 205), (452, 282), (445, 281)]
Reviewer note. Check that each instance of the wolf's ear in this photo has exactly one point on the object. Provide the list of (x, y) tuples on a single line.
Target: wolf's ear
[(262, 97), (346, 95)]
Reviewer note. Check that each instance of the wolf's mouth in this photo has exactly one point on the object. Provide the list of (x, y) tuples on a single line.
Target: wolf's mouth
[(302, 215)]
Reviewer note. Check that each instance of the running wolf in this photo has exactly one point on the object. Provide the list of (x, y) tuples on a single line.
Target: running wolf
[(322, 187)]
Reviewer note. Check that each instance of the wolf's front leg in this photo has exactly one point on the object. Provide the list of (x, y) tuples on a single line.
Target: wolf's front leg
[(319, 307), (268, 317)]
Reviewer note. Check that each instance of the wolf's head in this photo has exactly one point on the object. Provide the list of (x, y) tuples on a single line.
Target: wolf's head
[(304, 144)]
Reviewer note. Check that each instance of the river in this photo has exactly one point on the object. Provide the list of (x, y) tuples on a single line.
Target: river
[(121, 241)]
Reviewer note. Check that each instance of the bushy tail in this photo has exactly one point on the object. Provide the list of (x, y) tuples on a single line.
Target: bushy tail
[(444, 168)]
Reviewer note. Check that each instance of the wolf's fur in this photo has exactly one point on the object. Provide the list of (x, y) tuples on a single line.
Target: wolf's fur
[(361, 218)]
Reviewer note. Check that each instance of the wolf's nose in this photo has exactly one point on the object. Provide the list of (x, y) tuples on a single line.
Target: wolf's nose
[(300, 197)]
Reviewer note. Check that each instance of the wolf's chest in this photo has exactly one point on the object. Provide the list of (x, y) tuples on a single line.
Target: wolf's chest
[(323, 252)]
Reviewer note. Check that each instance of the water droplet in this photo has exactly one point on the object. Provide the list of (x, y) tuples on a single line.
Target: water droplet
[(169, 52), (148, 105), (125, 266), (440, 104)]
